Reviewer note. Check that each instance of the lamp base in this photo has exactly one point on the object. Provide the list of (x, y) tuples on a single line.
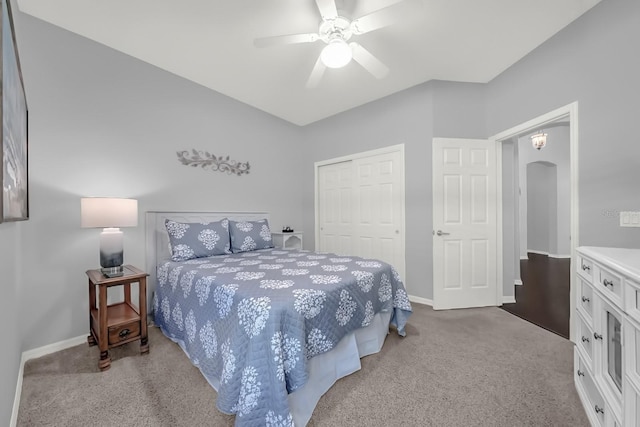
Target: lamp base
[(111, 253), (112, 271)]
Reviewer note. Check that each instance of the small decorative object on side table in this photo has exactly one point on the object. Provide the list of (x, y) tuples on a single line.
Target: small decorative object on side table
[(119, 323)]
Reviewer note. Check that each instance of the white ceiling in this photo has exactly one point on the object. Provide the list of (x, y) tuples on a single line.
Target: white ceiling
[(211, 42)]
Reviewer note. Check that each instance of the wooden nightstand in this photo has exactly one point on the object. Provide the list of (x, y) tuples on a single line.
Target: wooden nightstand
[(119, 323)]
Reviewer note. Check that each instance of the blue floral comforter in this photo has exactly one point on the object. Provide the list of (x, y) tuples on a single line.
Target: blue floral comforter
[(250, 321)]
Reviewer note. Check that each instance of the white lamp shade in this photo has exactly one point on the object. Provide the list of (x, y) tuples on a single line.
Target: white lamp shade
[(336, 54), (105, 212)]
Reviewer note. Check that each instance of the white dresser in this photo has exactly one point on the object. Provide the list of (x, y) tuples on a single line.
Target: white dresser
[(607, 325)]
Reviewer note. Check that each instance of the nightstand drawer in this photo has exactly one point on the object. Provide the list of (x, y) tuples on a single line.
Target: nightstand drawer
[(123, 333)]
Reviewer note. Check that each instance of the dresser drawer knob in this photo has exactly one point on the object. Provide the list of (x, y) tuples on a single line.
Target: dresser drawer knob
[(585, 267), (599, 410), (585, 299), (123, 333), (585, 339), (580, 373), (597, 336), (606, 283)]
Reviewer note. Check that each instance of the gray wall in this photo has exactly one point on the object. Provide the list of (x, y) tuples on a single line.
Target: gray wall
[(105, 124), (10, 245), (593, 61), (403, 118), (541, 206), (413, 118)]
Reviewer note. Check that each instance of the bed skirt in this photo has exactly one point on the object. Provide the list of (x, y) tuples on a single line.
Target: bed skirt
[(327, 368)]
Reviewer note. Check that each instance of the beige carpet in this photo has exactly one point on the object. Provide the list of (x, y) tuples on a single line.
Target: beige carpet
[(475, 367)]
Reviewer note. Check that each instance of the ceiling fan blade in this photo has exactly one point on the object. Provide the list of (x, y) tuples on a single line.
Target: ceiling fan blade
[(327, 9), (316, 74), (286, 39), (369, 62), (384, 17)]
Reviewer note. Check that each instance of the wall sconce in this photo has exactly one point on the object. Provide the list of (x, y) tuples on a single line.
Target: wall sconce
[(539, 140), (109, 214)]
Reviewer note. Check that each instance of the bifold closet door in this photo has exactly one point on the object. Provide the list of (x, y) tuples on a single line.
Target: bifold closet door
[(335, 193), (378, 197), (361, 205)]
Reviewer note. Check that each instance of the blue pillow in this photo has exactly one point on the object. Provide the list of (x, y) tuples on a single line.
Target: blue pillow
[(250, 235), (198, 240)]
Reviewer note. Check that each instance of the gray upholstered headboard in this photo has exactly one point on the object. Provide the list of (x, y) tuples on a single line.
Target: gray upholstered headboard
[(157, 240)]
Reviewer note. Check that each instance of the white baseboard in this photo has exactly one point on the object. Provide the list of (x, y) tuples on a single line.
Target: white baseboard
[(518, 282), (559, 256), (524, 257), (16, 399), (506, 299), (34, 354), (421, 300)]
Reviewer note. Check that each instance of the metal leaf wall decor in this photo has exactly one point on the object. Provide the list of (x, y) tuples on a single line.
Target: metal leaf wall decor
[(206, 160)]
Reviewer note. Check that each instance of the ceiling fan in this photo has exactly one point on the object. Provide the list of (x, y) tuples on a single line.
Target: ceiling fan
[(336, 31)]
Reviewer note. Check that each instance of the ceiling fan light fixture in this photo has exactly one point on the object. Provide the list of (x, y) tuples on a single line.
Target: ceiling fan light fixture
[(336, 54)]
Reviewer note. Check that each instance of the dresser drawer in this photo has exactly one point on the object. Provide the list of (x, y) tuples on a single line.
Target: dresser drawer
[(585, 300), (611, 284), (584, 341), (595, 405), (585, 268), (631, 332), (124, 333), (631, 403), (632, 299)]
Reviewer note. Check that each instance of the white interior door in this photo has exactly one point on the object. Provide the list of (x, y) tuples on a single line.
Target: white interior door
[(465, 223), (335, 197), (361, 206), (379, 201)]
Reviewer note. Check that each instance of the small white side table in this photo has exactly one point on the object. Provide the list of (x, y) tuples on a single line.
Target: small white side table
[(291, 240)]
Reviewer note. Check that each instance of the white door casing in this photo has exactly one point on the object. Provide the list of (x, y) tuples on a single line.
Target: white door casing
[(360, 205), (569, 111), (465, 217)]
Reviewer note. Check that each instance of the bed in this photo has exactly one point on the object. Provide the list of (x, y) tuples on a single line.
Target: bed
[(270, 329)]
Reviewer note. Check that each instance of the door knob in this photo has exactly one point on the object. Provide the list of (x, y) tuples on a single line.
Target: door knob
[(441, 233)]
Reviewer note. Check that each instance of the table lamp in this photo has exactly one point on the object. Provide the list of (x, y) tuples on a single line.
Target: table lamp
[(109, 214)]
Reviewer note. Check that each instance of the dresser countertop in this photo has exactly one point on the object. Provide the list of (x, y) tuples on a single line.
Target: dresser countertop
[(626, 261)]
